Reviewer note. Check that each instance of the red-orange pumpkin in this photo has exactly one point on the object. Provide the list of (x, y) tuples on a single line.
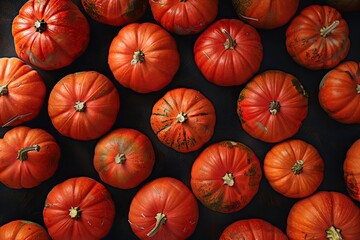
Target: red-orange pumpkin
[(352, 170), (226, 176), (22, 92), (183, 119), (318, 38), (83, 105), (50, 34), (23, 230), (339, 93), (28, 157), (294, 168), (272, 106)]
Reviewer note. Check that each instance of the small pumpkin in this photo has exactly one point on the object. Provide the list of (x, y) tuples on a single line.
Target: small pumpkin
[(28, 157), (79, 208), (22, 92), (23, 230), (352, 170), (294, 168), (183, 119), (339, 93), (318, 37), (83, 105), (164, 208), (226, 176)]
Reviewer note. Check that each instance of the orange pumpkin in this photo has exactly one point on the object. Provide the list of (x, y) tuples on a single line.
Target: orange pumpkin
[(352, 170), (23, 230)]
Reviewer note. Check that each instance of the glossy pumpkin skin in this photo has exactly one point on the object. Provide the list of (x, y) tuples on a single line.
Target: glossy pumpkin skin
[(60, 36), (352, 170), (339, 93), (318, 38), (294, 168), (266, 14), (79, 208), (83, 105), (23, 230), (226, 176), (22, 92), (324, 215), (184, 17), (143, 57), (114, 12), (281, 106), (229, 52), (252, 229), (163, 209), (124, 158), (183, 119), (28, 157), (345, 5)]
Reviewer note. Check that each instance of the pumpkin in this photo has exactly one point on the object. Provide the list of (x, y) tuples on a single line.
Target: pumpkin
[(164, 208), (83, 105), (184, 16), (318, 37), (226, 176), (61, 33), (324, 215), (124, 158), (252, 229), (22, 92), (143, 57), (183, 119), (294, 168), (28, 157), (268, 14), (352, 170), (23, 230), (339, 93), (79, 208), (229, 52), (345, 5), (114, 12), (272, 106)]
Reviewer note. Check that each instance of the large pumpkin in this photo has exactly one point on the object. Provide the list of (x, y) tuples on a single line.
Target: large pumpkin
[(124, 158), (339, 93), (28, 157), (183, 119), (79, 208), (163, 209), (23, 230), (294, 168), (351, 169), (267, 14), (184, 16), (226, 176), (50, 34), (272, 106), (83, 105), (229, 52), (22, 92), (143, 57), (324, 215), (318, 38)]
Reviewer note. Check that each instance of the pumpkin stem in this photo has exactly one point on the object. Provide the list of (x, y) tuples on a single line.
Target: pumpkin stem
[(333, 233), (15, 118), (229, 179), (74, 213), (138, 57), (40, 25), (358, 88), (249, 18), (23, 153), (120, 158), (181, 117), (160, 220), (325, 31), (274, 107), (297, 167), (4, 90), (80, 106), (230, 42)]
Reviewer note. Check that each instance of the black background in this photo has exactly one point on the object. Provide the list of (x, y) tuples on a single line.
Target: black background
[(332, 139)]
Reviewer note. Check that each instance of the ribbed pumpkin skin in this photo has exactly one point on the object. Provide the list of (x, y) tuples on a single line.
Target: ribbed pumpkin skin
[(351, 169), (23, 230), (22, 92), (339, 93), (183, 119)]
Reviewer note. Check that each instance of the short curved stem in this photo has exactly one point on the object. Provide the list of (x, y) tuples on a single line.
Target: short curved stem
[(325, 31), (23, 153), (75, 213), (334, 233), (4, 90), (138, 57), (40, 25), (274, 107), (160, 220), (181, 117), (120, 158), (228, 179), (230, 42), (80, 106), (297, 167)]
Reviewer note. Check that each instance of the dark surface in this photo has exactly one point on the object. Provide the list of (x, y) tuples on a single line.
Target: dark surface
[(332, 139)]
